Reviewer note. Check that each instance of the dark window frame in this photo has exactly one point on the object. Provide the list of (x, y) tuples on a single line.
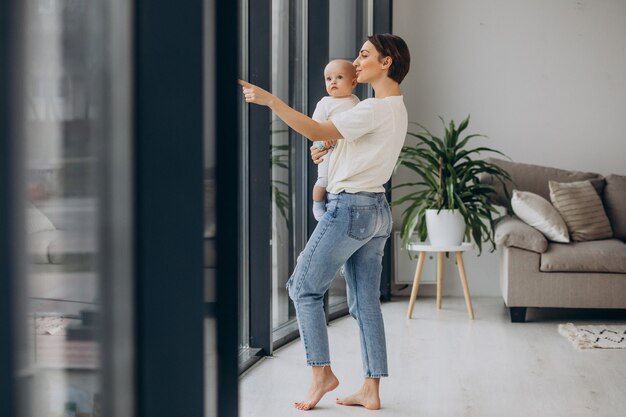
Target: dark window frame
[(169, 133), (227, 174), (11, 219), (260, 276)]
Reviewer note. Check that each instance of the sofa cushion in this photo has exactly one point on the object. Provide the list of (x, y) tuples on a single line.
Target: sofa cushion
[(596, 256), (36, 221), (72, 248), (615, 204), (581, 209), (512, 232), (38, 244), (61, 247), (534, 178), (537, 212)]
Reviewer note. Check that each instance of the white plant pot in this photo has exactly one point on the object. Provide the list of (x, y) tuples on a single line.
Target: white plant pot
[(445, 228)]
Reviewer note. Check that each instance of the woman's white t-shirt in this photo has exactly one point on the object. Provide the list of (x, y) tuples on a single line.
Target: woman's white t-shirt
[(374, 131)]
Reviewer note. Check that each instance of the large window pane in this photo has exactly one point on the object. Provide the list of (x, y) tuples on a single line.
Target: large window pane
[(285, 83), (349, 24), (65, 110)]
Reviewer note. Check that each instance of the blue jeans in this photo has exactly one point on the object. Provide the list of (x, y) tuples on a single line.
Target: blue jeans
[(352, 232)]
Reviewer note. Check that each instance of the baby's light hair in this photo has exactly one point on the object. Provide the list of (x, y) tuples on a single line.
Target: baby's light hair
[(346, 64)]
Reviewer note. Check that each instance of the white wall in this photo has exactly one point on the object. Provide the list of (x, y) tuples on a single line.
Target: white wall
[(545, 80)]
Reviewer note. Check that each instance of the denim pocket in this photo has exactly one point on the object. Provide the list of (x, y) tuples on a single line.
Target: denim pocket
[(362, 222)]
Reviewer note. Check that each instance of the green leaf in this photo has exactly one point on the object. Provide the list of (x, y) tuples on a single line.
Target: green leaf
[(446, 175)]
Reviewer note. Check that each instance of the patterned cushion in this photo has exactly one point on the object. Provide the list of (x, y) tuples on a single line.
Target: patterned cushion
[(581, 208)]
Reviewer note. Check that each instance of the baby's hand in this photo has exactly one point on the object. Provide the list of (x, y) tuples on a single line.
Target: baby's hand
[(330, 143), (317, 153)]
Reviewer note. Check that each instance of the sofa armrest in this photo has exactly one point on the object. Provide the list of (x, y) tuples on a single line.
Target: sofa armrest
[(512, 232)]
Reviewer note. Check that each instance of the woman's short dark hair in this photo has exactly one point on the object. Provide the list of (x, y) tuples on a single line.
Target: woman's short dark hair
[(393, 46)]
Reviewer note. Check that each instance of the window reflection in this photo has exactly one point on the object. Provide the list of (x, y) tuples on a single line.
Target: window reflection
[(281, 165), (63, 119)]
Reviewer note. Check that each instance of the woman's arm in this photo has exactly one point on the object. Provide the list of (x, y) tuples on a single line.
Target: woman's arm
[(299, 122)]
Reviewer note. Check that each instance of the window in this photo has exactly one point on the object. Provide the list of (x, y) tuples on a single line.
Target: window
[(286, 162), (63, 123), (284, 48), (106, 271)]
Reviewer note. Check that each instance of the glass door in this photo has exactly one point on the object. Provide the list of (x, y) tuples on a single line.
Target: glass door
[(286, 160)]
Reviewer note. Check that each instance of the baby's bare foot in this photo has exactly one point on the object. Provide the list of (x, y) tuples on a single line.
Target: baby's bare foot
[(364, 397), (319, 386)]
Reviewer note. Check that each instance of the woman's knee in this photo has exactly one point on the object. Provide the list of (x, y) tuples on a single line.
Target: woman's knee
[(306, 299), (363, 309)]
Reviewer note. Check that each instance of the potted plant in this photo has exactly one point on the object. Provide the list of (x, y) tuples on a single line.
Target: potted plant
[(449, 188)]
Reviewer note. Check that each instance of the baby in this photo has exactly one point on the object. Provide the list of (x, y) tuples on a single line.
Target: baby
[(340, 79)]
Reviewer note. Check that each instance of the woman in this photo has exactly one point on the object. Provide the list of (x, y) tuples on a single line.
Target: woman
[(357, 222)]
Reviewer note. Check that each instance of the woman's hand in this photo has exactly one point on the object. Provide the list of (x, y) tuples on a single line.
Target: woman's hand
[(299, 122), (316, 154), (255, 94)]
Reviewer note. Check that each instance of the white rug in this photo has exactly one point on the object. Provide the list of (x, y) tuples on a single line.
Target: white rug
[(595, 337), (51, 325)]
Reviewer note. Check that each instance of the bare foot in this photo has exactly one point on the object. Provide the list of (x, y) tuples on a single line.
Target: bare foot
[(367, 397), (324, 380)]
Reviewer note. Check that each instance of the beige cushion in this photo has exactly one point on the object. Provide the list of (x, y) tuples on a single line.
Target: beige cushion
[(581, 208), (597, 256), (512, 232), (537, 212), (615, 204)]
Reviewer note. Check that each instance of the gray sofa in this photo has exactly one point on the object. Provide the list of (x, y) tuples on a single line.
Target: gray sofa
[(535, 272), (61, 235), (62, 254)]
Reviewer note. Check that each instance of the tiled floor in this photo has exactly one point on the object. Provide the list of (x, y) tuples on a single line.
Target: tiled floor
[(444, 365)]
